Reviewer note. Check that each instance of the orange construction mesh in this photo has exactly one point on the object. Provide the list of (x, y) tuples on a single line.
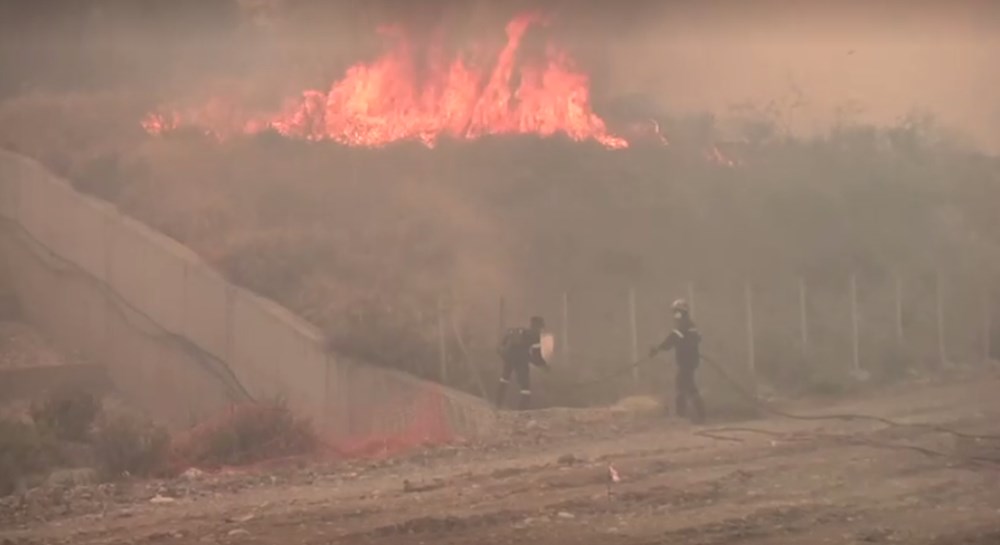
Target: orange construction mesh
[(260, 434), (428, 424)]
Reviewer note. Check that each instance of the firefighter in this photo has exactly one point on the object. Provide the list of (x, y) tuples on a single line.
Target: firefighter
[(520, 349), (685, 340)]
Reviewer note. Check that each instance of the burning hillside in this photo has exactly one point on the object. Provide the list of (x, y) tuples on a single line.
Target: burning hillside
[(403, 95)]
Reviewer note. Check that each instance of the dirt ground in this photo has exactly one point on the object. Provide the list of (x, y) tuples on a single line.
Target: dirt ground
[(773, 481)]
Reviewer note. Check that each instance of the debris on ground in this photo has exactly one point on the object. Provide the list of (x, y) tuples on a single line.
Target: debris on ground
[(159, 500), (421, 487)]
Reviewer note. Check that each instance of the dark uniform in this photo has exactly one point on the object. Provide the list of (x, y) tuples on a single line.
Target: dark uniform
[(685, 340), (520, 349)]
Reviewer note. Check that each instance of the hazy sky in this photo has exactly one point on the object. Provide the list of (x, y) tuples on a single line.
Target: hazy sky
[(886, 60)]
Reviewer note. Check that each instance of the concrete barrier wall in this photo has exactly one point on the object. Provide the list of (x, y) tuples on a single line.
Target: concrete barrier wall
[(26, 383), (176, 336)]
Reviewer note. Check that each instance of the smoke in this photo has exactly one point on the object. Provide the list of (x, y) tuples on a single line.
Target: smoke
[(817, 64)]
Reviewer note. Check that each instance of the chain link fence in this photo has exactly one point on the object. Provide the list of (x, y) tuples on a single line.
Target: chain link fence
[(784, 336)]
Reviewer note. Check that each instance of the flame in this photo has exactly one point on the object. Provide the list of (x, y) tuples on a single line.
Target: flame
[(381, 102)]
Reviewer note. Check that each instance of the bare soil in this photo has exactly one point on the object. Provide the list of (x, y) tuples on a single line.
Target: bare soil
[(545, 480)]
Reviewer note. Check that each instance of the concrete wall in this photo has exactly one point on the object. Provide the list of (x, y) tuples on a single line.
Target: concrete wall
[(177, 337), (26, 383)]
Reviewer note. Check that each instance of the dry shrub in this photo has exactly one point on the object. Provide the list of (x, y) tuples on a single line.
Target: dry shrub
[(125, 445), (251, 432), (67, 414), (366, 244), (24, 451), (69, 131)]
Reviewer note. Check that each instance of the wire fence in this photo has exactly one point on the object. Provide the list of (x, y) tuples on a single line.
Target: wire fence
[(785, 336)]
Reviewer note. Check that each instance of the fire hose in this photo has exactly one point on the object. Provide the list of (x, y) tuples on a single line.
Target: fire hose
[(612, 375), (768, 408), (844, 417)]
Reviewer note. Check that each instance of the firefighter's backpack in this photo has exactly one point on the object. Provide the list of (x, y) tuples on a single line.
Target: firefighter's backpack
[(512, 340)]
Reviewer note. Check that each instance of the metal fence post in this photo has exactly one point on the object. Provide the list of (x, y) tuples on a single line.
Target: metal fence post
[(565, 330), (751, 349), (855, 334), (633, 333)]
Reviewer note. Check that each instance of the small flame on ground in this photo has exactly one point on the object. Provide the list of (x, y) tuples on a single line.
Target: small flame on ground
[(381, 102)]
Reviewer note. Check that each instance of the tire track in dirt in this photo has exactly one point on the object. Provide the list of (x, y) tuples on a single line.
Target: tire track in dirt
[(694, 495), (677, 488)]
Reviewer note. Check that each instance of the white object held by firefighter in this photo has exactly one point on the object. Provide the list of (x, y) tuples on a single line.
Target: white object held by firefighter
[(548, 346)]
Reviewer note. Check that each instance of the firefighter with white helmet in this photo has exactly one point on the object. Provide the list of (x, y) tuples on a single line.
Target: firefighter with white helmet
[(685, 340)]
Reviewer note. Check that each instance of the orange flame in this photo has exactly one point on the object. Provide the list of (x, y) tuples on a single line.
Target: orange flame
[(380, 102)]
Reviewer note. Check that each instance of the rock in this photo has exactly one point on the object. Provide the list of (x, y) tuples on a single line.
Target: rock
[(242, 518), (421, 487), (238, 532), (159, 500), (565, 515), (193, 473), (568, 460), (167, 492), (72, 477)]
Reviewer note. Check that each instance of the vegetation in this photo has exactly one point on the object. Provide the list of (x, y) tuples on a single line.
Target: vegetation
[(68, 415), (248, 433), (121, 445), (370, 244), (127, 446), (381, 248), (24, 452)]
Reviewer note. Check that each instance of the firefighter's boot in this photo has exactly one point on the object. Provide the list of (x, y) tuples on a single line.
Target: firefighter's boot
[(680, 404), (699, 409), (524, 400), (500, 394)]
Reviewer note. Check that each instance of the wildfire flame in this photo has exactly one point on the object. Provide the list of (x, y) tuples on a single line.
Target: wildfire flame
[(381, 102)]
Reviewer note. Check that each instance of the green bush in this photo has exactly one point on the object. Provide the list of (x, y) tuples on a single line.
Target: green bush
[(67, 414), (24, 451), (126, 445)]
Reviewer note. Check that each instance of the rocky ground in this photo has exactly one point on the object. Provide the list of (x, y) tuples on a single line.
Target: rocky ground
[(546, 480)]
